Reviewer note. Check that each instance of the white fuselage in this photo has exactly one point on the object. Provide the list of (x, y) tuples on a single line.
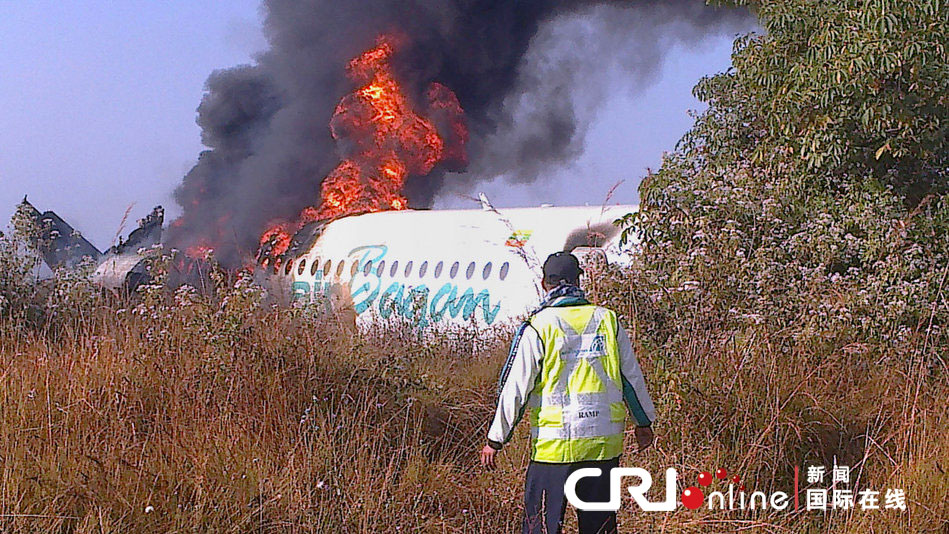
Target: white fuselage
[(467, 266)]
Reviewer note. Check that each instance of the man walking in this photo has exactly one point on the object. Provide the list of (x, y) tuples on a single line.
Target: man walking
[(572, 368)]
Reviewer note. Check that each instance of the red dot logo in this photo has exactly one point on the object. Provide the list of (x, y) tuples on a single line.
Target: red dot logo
[(721, 474), (705, 478), (692, 497)]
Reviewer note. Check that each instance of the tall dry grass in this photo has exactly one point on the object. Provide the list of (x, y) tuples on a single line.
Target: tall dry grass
[(230, 417), (760, 402), (187, 413)]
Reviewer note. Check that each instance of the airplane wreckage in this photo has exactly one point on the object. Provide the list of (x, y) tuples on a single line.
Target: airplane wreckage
[(425, 265), (122, 266)]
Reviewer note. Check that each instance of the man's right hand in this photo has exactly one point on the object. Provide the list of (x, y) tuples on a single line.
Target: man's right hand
[(644, 437), (487, 457)]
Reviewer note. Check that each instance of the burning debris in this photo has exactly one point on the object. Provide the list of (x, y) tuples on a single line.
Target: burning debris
[(396, 125), (300, 242), (391, 141), (386, 140)]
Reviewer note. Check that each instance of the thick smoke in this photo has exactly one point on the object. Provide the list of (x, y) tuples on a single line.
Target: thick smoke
[(266, 125)]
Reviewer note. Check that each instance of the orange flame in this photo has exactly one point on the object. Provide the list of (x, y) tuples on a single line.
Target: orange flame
[(198, 251), (391, 143), (278, 237)]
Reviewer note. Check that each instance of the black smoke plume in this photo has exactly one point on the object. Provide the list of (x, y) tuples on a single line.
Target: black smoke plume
[(266, 125)]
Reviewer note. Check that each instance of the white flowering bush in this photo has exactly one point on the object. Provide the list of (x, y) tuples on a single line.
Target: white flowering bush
[(18, 268), (67, 296), (72, 293), (810, 198), (218, 314)]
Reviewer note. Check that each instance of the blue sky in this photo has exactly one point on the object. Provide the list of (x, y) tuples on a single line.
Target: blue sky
[(98, 99)]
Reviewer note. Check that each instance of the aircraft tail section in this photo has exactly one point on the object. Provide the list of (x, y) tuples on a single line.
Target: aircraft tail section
[(146, 235), (60, 244)]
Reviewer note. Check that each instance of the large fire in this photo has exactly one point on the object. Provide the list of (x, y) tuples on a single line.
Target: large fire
[(387, 141)]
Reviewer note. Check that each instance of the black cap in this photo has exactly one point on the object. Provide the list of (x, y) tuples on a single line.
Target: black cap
[(562, 266)]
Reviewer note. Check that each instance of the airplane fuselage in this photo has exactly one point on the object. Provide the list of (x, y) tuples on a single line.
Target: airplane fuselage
[(457, 266)]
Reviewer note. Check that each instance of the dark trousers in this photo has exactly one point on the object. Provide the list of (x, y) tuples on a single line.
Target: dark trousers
[(545, 502)]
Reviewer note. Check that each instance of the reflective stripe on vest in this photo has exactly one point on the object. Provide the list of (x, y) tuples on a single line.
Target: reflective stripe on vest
[(577, 410)]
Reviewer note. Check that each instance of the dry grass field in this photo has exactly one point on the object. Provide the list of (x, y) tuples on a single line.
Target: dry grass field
[(184, 413)]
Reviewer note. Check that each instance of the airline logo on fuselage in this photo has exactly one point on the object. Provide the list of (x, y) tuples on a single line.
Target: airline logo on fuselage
[(420, 304), (518, 238)]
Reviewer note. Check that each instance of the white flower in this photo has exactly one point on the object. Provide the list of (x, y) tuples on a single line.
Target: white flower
[(149, 509)]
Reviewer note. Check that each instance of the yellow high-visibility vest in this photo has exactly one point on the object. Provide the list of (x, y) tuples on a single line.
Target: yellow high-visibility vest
[(576, 409)]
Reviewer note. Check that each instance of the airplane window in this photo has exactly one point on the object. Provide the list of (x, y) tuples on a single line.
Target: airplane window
[(314, 267), (504, 269), (366, 268), (408, 269), (422, 269), (288, 268), (470, 271), (438, 269), (339, 268), (326, 268), (487, 271), (354, 268), (380, 268), (395, 267), (301, 267), (454, 270)]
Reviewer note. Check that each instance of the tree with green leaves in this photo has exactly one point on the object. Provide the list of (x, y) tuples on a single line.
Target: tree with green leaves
[(811, 194)]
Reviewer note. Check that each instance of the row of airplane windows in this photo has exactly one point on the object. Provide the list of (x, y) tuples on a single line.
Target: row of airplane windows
[(380, 268)]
